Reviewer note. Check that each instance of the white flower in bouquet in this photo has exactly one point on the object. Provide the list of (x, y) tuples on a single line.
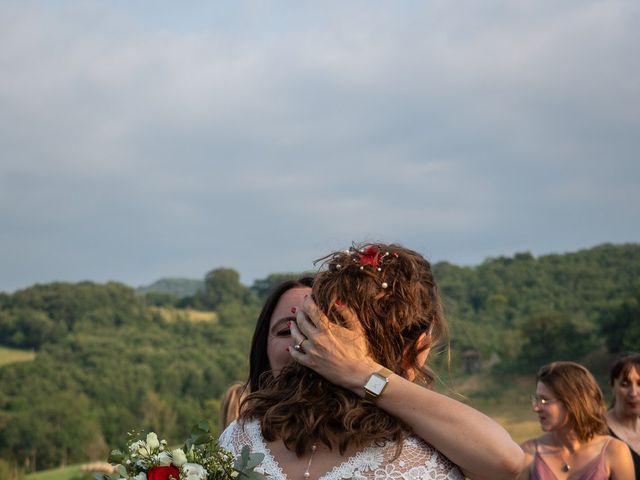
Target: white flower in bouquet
[(152, 441), (164, 459), (193, 471), (135, 446), (179, 457), (203, 459)]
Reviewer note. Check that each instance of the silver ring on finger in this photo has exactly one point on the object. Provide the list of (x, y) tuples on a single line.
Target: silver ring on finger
[(298, 347)]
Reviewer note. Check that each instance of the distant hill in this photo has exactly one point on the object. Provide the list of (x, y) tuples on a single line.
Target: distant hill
[(108, 360), (179, 287)]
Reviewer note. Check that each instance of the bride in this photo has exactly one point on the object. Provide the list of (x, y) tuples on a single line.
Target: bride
[(308, 427)]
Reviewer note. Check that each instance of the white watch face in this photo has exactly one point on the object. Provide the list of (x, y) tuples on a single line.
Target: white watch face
[(376, 384)]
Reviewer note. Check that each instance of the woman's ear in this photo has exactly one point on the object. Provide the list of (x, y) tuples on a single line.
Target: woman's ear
[(424, 346), (424, 341)]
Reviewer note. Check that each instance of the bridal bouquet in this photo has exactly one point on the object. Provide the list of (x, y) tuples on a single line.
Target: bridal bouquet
[(201, 458)]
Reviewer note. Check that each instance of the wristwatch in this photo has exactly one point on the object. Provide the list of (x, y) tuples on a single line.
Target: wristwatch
[(377, 383)]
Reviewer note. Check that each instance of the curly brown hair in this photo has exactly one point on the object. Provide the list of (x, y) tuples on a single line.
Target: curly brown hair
[(578, 390), (395, 297)]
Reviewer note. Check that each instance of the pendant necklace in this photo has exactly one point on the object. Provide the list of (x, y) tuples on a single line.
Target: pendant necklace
[(306, 472), (565, 465)]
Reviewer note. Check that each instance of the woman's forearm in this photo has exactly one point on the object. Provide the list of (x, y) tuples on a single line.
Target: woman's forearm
[(470, 439)]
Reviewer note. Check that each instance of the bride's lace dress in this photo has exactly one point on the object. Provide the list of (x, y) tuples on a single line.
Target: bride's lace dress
[(418, 459)]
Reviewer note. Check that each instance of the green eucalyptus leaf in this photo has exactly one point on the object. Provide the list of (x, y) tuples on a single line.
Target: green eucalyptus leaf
[(200, 428), (116, 456), (242, 459), (254, 459), (202, 439)]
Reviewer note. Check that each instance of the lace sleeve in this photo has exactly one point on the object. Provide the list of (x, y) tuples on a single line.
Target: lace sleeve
[(226, 438), (234, 438)]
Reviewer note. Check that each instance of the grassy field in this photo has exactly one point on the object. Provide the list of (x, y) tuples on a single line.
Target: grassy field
[(173, 314), (518, 420), (65, 473), (13, 355), (505, 399)]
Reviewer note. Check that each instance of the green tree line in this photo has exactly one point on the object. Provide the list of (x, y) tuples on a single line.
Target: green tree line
[(107, 363)]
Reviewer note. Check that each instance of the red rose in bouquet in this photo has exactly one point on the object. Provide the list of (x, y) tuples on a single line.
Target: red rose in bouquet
[(163, 473)]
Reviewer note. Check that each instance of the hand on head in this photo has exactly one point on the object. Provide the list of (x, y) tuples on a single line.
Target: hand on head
[(338, 353)]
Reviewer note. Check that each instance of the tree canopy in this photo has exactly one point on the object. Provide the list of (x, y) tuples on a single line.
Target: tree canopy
[(108, 362)]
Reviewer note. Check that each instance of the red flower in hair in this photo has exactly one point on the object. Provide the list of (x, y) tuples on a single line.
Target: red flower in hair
[(163, 473), (370, 255)]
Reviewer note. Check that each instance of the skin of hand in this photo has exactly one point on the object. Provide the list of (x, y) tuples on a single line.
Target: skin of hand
[(470, 439), (338, 354)]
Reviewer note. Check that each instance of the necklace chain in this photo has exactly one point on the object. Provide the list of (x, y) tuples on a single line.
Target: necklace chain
[(565, 465), (313, 451)]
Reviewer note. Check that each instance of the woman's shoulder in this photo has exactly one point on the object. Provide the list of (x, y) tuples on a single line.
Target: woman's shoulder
[(238, 434), (531, 446), (614, 447)]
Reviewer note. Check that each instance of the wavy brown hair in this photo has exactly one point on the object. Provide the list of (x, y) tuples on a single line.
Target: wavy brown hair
[(394, 294), (578, 390)]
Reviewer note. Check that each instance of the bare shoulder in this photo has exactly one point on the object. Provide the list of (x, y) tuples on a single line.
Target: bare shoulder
[(617, 448), (619, 461), (529, 446), (529, 449)]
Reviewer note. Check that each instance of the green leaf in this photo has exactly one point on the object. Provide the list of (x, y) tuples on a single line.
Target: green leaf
[(246, 462), (201, 439), (254, 460), (201, 428), (116, 456)]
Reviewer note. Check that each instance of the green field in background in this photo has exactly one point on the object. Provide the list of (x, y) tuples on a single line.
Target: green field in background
[(13, 355)]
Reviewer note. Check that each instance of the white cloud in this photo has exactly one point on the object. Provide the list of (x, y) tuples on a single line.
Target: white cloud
[(139, 142)]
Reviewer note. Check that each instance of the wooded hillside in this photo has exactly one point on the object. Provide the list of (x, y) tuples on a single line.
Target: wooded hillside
[(106, 362)]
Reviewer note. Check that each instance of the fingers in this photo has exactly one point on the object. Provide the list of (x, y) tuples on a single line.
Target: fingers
[(315, 316), (296, 334), (300, 356), (310, 321), (301, 341)]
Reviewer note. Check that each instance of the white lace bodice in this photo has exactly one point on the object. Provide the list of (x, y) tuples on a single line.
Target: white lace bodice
[(418, 459)]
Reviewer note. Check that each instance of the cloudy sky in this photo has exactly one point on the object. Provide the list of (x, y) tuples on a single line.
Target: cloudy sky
[(146, 139)]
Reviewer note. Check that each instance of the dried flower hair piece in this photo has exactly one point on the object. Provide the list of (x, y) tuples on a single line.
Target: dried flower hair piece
[(365, 256)]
